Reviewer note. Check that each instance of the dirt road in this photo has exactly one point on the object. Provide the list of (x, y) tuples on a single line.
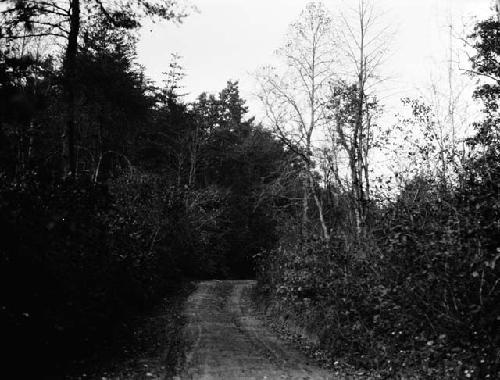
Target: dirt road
[(226, 340)]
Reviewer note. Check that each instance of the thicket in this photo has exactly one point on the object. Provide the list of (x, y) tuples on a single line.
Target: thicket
[(160, 189), (421, 291), (163, 190), (416, 290)]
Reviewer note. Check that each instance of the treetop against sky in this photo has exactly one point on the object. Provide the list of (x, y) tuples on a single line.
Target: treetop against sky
[(230, 39)]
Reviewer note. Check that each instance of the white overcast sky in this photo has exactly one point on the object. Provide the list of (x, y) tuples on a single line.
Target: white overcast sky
[(230, 39)]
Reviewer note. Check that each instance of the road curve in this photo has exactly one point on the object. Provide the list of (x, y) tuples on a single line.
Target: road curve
[(226, 340)]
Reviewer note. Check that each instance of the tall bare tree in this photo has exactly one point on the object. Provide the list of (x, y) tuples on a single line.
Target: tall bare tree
[(294, 96), (442, 117), (364, 41)]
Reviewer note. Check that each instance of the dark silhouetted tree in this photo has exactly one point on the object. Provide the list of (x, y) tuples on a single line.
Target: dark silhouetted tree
[(65, 20)]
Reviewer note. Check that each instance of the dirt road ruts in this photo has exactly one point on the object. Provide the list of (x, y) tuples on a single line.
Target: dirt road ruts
[(226, 340)]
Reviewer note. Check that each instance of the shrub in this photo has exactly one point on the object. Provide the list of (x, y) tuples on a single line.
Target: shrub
[(421, 290), (77, 258)]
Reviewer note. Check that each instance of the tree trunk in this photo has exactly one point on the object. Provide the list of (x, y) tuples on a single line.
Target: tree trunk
[(358, 211), (193, 158), (31, 142), (360, 136), (69, 69), (319, 205), (180, 166), (305, 206), (367, 181)]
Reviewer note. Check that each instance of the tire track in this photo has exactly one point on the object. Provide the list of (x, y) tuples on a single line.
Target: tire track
[(227, 340)]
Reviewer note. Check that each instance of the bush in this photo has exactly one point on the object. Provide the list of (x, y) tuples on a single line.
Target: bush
[(55, 266), (77, 258), (420, 291)]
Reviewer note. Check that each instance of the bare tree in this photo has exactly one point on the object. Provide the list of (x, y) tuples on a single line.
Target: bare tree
[(295, 97), (447, 102), (364, 44)]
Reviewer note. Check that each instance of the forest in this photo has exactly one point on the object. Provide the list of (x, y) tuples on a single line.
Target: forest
[(114, 189)]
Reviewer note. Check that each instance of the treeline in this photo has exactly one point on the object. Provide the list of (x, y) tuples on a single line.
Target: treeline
[(113, 189), (157, 190), (398, 275)]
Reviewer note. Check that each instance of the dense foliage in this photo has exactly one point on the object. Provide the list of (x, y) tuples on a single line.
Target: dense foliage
[(160, 189), (418, 292), (164, 190)]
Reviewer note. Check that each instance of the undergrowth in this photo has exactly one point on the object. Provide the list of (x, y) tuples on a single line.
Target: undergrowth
[(417, 294)]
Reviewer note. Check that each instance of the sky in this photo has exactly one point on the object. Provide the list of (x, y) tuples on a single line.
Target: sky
[(231, 39)]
